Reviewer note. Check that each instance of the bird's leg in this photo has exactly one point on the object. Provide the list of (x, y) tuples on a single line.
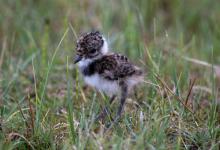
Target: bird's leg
[(135, 93), (124, 94), (104, 111)]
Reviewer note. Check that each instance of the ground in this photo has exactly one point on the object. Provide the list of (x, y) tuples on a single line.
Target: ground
[(44, 103)]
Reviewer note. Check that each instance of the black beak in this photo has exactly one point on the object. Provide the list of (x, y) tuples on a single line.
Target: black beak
[(77, 59)]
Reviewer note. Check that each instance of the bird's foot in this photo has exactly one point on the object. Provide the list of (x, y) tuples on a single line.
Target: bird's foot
[(102, 115)]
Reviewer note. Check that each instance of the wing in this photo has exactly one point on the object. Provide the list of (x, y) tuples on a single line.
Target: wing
[(115, 66)]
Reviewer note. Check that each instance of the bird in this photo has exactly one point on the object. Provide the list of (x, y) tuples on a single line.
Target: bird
[(108, 72)]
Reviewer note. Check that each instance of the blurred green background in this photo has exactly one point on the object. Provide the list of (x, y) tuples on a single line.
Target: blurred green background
[(167, 37), (127, 23)]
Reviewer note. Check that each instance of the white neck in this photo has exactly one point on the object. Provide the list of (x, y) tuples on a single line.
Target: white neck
[(104, 48), (84, 63)]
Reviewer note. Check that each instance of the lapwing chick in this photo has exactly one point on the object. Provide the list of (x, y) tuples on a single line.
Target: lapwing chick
[(108, 72)]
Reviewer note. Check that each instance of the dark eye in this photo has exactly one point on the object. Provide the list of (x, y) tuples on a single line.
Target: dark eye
[(93, 51)]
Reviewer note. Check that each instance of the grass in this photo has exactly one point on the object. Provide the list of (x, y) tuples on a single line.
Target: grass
[(45, 105)]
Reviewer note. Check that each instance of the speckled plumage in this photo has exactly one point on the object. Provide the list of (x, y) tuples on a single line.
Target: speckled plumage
[(112, 67), (88, 42), (108, 72)]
